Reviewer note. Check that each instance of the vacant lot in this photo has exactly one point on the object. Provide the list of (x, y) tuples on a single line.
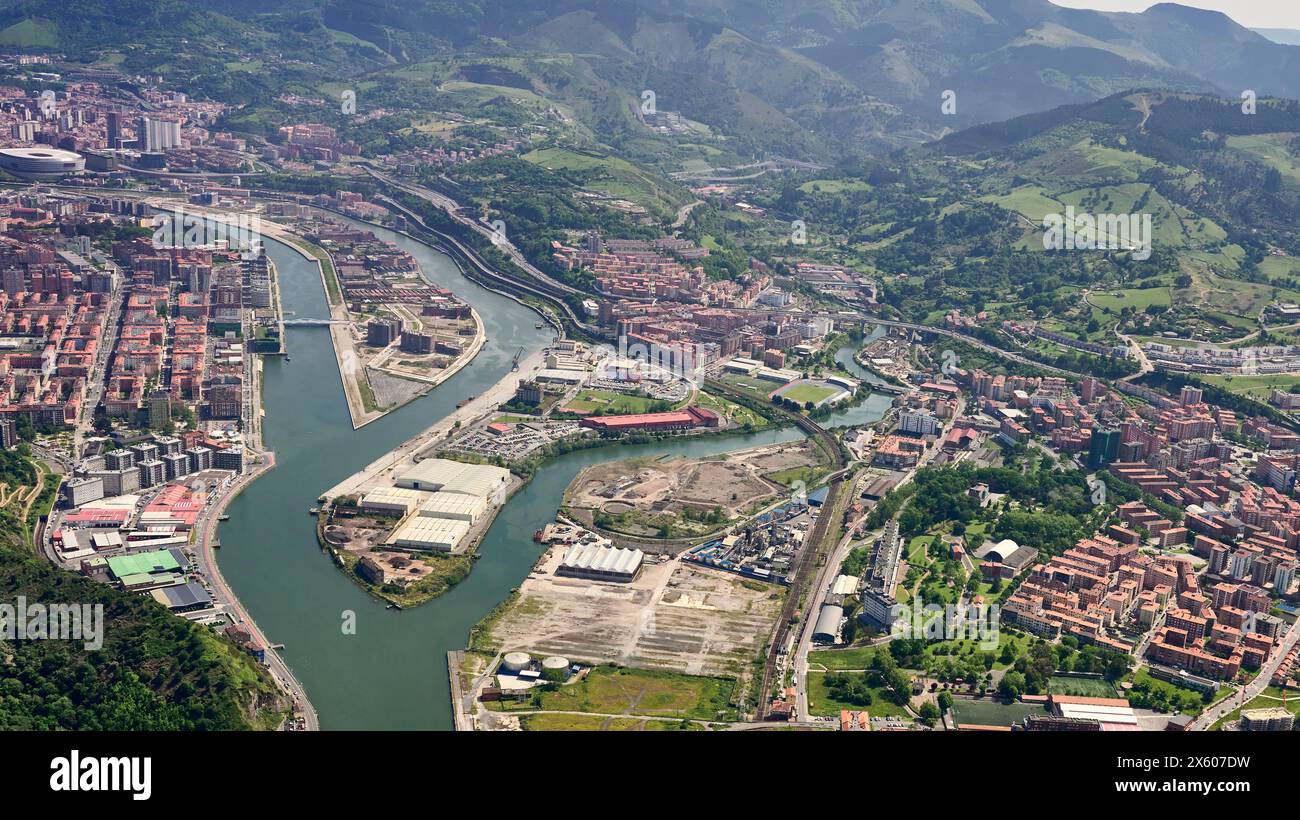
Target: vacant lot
[(672, 617), (612, 690)]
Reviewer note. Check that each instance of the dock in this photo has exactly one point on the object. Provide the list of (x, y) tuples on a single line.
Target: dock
[(460, 721)]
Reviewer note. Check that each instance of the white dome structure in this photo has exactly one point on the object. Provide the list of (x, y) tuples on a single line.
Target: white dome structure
[(1002, 551), (41, 163)]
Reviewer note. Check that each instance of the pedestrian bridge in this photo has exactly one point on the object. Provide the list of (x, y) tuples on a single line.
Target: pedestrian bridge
[(307, 322)]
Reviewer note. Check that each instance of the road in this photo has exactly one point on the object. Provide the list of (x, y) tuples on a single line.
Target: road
[(830, 571), (813, 556), (1253, 689), (410, 451), (205, 528)]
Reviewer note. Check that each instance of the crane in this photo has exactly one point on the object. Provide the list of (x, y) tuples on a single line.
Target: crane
[(514, 363)]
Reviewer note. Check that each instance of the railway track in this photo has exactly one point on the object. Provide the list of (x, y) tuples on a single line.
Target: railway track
[(816, 547)]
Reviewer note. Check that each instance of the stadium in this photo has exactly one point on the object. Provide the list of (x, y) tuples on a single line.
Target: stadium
[(41, 163)]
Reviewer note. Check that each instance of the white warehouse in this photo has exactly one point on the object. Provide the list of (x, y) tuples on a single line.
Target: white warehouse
[(443, 475), (454, 506), (601, 563), (429, 534)]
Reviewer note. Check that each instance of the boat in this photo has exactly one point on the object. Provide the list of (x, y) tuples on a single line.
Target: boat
[(540, 325), (223, 517), (287, 359), (313, 511), (466, 401), (216, 545)]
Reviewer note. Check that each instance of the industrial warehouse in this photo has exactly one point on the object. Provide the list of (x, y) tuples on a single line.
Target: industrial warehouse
[(601, 563), (437, 503)]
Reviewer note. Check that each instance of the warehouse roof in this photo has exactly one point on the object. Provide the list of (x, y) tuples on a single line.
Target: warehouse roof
[(603, 559), (437, 533), (828, 622), (184, 595), (453, 503), (393, 495), (144, 563), (454, 477)]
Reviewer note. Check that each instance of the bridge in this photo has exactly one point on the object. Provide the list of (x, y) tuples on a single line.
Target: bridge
[(309, 322)]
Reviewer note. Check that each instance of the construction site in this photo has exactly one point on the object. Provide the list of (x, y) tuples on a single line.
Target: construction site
[(688, 496)]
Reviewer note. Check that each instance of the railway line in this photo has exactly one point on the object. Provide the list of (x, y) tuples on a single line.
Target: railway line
[(816, 548)]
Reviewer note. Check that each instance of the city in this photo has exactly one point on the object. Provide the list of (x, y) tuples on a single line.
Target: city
[(455, 381)]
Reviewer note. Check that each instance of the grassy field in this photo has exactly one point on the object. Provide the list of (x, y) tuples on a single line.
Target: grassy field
[(860, 657), (735, 412), (992, 712), (804, 393), (809, 475), (820, 701), (1082, 687), (1256, 387), (1271, 149), (30, 33), (621, 691), (595, 723), (611, 175), (1138, 299), (603, 401), (1030, 201), (834, 186), (1268, 699)]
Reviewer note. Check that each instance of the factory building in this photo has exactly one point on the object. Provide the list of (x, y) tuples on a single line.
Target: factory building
[(827, 628), (675, 420), (429, 534), (443, 475), (454, 506), (391, 501), (601, 563)]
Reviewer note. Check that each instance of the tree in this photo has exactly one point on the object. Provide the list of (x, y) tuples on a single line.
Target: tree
[(1012, 685), (929, 713), (102, 424), (945, 700)]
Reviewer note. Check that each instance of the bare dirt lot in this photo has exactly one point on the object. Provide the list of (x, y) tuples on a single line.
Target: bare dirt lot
[(674, 616), (733, 481)]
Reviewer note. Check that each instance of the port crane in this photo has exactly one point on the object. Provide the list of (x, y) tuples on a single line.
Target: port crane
[(514, 363)]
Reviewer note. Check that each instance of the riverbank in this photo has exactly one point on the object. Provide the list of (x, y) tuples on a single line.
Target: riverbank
[(363, 406)]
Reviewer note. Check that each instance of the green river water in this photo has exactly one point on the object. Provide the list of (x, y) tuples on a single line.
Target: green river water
[(391, 674)]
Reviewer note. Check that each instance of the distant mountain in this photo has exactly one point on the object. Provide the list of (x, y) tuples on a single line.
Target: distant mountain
[(1286, 36), (1004, 58), (814, 77)]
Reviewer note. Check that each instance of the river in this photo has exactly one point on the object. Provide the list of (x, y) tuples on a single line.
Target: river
[(390, 674)]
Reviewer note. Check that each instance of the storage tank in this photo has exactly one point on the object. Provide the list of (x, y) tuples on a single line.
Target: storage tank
[(515, 661), (555, 668)]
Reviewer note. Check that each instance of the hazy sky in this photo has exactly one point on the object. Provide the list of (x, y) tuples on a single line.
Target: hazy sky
[(1252, 13)]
